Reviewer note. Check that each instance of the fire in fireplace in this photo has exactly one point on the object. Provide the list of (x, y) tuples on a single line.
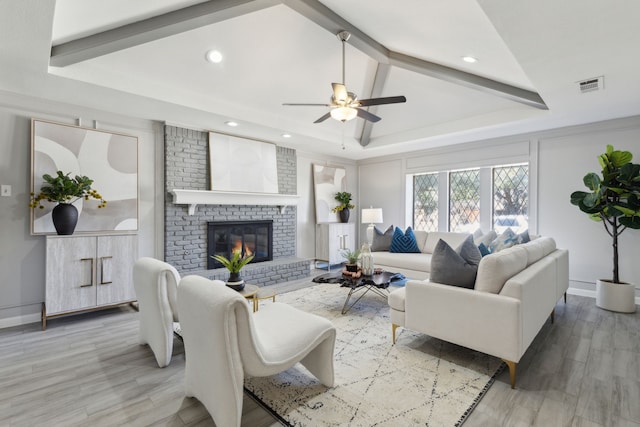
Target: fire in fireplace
[(247, 237)]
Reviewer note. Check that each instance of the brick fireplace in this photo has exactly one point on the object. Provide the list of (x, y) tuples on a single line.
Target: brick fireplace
[(186, 167)]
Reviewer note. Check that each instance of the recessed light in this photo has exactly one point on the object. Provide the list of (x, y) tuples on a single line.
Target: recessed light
[(232, 124), (469, 59), (286, 135), (214, 56)]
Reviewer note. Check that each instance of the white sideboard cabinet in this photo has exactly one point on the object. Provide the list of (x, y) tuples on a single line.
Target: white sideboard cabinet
[(332, 238), (88, 272)]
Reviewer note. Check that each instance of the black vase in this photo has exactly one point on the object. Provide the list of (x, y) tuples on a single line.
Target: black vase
[(344, 215), (235, 282), (65, 218)]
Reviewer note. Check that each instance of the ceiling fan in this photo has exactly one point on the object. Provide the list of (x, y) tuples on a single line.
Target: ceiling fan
[(345, 105)]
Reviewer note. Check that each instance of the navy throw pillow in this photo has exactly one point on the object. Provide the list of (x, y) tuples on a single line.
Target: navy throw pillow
[(404, 242)]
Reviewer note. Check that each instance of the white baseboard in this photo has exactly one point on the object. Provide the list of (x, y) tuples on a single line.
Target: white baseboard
[(589, 293), (20, 320)]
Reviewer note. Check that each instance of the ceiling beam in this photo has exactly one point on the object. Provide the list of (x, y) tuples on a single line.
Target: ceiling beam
[(153, 28), (329, 20), (324, 17), (382, 71), (469, 80)]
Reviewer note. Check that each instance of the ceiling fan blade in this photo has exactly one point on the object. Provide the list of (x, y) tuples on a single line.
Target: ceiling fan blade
[(323, 118), (364, 114), (381, 101), (307, 105), (339, 92)]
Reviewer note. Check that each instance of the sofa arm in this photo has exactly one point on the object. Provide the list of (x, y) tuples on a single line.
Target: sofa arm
[(482, 321)]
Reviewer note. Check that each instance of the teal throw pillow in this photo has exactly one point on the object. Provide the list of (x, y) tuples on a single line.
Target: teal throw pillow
[(381, 241), (404, 242), (484, 250)]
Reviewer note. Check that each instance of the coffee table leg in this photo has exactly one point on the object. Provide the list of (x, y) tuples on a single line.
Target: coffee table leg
[(366, 289)]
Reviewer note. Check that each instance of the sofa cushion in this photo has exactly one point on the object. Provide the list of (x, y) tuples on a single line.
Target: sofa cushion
[(495, 269), (523, 237), (403, 261), (449, 267), (421, 238), (404, 242), (452, 239), (396, 299), (539, 248), (381, 241), (469, 251)]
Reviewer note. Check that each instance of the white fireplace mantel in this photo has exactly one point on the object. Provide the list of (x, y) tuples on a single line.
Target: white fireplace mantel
[(194, 198)]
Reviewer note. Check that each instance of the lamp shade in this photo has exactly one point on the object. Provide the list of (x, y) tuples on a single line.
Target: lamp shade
[(372, 216)]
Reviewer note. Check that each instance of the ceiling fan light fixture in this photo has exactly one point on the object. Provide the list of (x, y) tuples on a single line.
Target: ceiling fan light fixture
[(344, 114)]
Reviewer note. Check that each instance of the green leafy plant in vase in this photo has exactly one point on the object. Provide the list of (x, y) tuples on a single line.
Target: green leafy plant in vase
[(614, 200), (352, 259), (65, 190), (344, 200), (234, 265)]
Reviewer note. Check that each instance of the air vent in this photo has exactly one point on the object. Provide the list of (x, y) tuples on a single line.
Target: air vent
[(592, 84)]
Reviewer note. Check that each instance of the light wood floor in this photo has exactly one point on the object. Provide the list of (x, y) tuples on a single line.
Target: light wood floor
[(89, 370)]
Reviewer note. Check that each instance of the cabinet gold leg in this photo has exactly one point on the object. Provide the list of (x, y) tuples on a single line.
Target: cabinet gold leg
[(512, 372), (393, 331)]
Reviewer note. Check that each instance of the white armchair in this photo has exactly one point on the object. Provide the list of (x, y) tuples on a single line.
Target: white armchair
[(156, 286), (224, 340)]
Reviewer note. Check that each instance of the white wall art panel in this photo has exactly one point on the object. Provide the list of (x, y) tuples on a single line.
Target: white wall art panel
[(242, 165), (327, 181), (109, 159)]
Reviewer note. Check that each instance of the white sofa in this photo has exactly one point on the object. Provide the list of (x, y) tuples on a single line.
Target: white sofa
[(416, 265), (515, 292)]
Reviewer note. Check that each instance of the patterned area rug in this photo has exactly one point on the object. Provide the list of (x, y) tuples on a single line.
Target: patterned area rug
[(419, 381)]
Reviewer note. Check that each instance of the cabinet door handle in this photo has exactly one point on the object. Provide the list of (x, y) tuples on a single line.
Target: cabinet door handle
[(91, 283), (102, 282)]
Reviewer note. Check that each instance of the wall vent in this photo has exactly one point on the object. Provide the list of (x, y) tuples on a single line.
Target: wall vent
[(591, 85)]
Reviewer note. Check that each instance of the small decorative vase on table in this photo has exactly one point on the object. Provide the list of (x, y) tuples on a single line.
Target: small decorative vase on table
[(344, 215), (366, 260)]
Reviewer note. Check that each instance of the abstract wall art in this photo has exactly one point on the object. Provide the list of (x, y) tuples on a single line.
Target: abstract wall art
[(327, 181), (109, 159)]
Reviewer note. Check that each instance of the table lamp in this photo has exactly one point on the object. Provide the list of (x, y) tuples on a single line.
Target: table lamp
[(371, 216)]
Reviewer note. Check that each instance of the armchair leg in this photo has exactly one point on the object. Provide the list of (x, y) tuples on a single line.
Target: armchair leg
[(512, 372), (565, 297), (393, 331), (553, 315)]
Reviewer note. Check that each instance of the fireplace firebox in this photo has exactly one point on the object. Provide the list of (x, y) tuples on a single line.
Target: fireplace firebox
[(247, 237)]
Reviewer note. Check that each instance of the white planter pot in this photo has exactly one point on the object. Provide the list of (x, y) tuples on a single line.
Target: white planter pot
[(620, 297)]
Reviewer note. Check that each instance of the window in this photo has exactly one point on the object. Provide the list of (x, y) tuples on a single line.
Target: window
[(510, 198), (464, 200), (425, 202), (494, 197)]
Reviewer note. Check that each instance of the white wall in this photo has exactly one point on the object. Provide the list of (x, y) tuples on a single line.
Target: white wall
[(22, 256), (558, 161), (564, 159)]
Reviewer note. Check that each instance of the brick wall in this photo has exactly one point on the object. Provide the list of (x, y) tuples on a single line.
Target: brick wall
[(187, 168)]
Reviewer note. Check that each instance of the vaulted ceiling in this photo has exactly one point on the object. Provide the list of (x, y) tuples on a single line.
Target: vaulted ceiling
[(531, 58)]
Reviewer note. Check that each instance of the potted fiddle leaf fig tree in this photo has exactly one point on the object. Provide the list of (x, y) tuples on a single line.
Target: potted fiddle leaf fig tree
[(614, 200)]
